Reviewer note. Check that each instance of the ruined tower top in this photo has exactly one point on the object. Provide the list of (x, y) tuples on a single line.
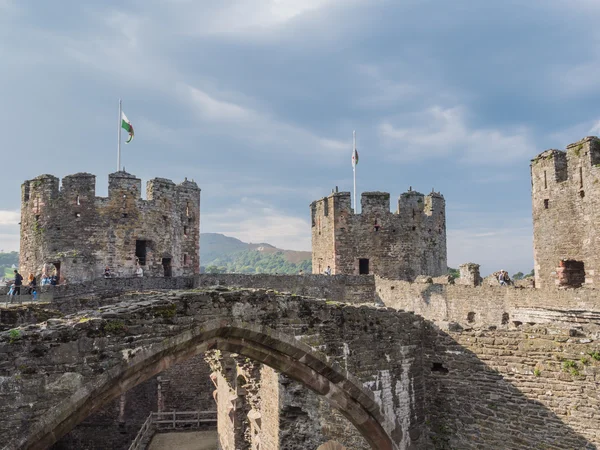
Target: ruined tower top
[(67, 228), (565, 188), (400, 245)]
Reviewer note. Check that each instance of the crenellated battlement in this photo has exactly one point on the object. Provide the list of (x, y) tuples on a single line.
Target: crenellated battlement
[(403, 244), (565, 188), (66, 225)]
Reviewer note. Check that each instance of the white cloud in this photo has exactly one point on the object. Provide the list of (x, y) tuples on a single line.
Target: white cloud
[(233, 118), (9, 217), (243, 18), (212, 109), (9, 230), (255, 221), (443, 131)]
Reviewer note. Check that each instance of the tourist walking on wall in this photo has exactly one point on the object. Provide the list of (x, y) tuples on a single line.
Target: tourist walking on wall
[(502, 278), (31, 286), (17, 283), (328, 271)]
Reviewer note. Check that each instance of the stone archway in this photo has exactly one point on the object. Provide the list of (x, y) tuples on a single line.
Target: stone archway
[(270, 347)]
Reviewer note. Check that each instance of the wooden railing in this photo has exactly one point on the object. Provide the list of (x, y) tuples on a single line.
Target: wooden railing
[(140, 441), (187, 419), (171, 420)]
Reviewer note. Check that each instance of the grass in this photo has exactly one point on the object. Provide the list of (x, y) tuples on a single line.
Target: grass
[(595, 355), (15, 335)]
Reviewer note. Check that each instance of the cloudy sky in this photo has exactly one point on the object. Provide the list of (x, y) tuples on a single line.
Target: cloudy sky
[(256, 101)]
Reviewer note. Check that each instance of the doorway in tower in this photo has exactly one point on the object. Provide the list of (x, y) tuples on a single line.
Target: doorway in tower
[(363, 266), (167, 269)]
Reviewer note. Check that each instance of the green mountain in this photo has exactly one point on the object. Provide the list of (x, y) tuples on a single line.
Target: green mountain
[(224, 254)]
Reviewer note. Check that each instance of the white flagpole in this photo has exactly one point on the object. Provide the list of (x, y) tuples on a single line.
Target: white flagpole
[(119, 140), (354, 167)]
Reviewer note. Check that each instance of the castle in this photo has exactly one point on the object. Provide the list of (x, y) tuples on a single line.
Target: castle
[(565, 197), (80, 234), (401, 246)]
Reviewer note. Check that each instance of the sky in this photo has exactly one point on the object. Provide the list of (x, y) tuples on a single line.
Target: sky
[(256, 100)]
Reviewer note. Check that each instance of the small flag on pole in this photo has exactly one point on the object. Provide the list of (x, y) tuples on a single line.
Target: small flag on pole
[(354, 157), (126, 125)]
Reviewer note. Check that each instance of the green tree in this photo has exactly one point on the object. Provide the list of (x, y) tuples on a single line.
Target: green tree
[(518, 276)]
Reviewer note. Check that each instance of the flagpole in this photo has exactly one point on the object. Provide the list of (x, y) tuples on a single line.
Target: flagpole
[(119, 140), (354, 166)]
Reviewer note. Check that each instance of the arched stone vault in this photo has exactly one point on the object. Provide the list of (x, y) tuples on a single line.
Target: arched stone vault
[(185, 333)]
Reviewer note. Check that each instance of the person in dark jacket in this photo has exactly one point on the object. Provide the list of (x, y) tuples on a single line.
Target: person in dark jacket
[(17, 283)]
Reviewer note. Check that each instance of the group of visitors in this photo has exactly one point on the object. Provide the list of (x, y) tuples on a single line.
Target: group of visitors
[(15, 288), (503, 278)]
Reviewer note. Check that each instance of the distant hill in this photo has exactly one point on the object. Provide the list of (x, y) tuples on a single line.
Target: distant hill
[(220, 253)]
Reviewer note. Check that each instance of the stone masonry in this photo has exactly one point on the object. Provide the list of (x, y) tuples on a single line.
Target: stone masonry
[(399, 245), (70, 230), (365, 361), (565, 197)]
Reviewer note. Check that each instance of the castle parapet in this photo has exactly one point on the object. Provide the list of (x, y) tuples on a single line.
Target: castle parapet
[(377, 203), (123, 183)]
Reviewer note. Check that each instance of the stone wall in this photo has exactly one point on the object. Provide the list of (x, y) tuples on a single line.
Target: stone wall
[(526, 387), (403, 245), (486, 305), (337, 350), (73, 232), (340, 288), (565, 195), (506, 367)]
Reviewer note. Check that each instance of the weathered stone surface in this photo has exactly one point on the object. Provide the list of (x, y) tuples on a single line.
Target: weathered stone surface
[(565, 195), (78, 234), (302, 338), (403, 245)]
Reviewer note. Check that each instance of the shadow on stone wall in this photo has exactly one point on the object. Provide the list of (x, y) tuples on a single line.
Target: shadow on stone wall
[(470, 404)]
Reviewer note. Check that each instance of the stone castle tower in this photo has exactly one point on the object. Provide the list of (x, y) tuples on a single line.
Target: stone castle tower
[(399, 245), (566, 215), (78, 234)]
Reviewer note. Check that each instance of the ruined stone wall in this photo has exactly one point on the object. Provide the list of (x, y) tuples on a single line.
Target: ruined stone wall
[(526, 387), (506, 367), (565, 197), (370, 346), (341, 288), (486, 305), (399, 245), (76, 233)]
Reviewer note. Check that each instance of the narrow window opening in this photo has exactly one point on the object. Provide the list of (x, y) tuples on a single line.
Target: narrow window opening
[(326, 208), (363, 266), (471, 317), (187, 209), (37, 217), (414, 228), (186, 259), (165, 218), (77, 202), (581, 177), (26, 192), (167, 271), (505, 318), (545, 180), (438, 367), (582, 193), (376, 226), (185, 231), (140, 252), (546, 203), (124, 215)]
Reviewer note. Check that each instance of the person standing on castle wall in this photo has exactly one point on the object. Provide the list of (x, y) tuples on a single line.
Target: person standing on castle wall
[(107, 272), (502, 278), (17, 283), (139, 272), (32, 285), (328, 270)]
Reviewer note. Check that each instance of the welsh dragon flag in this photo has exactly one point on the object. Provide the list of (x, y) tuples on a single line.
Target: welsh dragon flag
[(354, 157), (126, 125)]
